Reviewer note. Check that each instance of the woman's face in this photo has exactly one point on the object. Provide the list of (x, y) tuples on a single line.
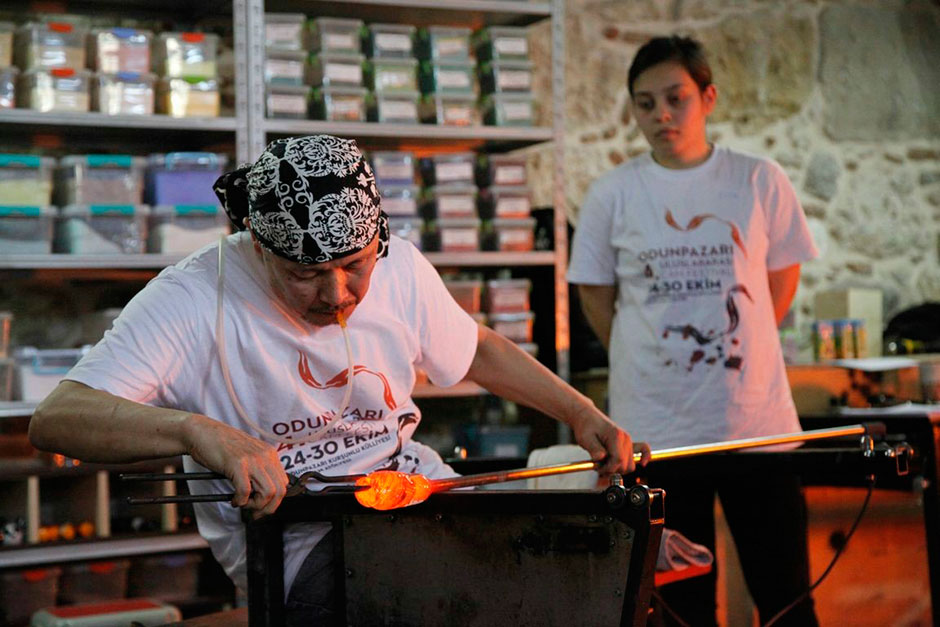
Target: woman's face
[(670, 109)]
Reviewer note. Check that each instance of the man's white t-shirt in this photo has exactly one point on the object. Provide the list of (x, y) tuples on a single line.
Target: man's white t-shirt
[(695, 355), (288, 375)]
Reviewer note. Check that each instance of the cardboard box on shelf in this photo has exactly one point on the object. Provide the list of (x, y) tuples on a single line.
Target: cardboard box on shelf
[(854, 302)]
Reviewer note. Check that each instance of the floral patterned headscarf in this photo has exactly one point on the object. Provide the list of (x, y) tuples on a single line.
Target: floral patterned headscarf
[(308, 199)]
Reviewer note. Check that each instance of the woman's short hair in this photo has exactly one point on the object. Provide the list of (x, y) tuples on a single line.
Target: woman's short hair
[(684, 50)]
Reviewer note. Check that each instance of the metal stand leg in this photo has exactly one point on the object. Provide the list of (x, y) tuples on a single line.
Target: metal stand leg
[(265, 539)]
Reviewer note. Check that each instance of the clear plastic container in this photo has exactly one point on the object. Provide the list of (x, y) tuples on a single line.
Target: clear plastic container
[(467, 293), (8, 80), (102, 229), (516, 327), (450, 201), (393, 167), (399, 200), (327, 34), (50, 45), (183, 178), (394, 107), (116, 50), (186, 55), (124, 93), (454, 167), (93, 581), (100, 180), (458, 235), (407, 228), (507, 295), (443, 42), (506, 77), (509, 110), (448, 77), (189, 97), (62, 90), (335, 70), (450, 109), (510, 234), (505, 201), (26, 179), (390, 40), (6, 44), (7, 367), (502, 43), (182, 229), (26, 591), (287, 101), (26, 230), (284, 67), (501, 170), (339, 104), (391, 75), (284, 30)]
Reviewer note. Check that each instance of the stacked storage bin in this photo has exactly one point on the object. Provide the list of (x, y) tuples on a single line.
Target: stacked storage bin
[(186, 214), (51, 57), (286, 95), (8, 71), (508, 311), (335, 69), (391, 73), (26, 212), (447, 76), (189, 83), (395, 178), (505, 205), (123, 83), (505, 73), (449, 202)]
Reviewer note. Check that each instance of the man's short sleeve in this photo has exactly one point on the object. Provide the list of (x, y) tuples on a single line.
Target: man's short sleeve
[(593, 257), (788, 235)]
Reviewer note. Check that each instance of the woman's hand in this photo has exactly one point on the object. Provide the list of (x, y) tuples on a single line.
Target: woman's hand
[(604, 440)]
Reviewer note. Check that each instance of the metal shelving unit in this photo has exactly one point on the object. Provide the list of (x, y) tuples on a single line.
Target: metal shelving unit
[(13, 557)]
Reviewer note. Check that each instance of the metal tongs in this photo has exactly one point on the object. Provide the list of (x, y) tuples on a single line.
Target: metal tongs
[(297, 484)]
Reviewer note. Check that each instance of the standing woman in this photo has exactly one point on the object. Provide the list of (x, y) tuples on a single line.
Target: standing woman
[(686, 259)]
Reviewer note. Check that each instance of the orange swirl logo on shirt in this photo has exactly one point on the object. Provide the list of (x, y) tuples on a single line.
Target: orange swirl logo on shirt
[(697, 221), (340, 379)]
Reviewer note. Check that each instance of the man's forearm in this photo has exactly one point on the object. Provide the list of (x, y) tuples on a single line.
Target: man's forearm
[(598, 303), (95, 426)]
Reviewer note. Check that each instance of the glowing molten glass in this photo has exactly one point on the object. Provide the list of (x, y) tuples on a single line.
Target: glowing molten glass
[(390, 490)]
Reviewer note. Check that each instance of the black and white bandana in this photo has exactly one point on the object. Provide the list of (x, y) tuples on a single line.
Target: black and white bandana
[(308, 199)]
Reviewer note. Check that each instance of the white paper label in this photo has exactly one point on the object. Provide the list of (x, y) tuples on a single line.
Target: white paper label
[(457, 171), (459, 238), (515, 239), (460, 115), (344, 72), (514, 46), (281, 34), (339, 41), (395, 171), (284, 68), (393, 41), (452, 47), (399, 110), (515, 80), (395, 79), (399, 206), (346, 109), (517, 111), (515, 331), (287, 103), (455, 206), (512, 207), (509, 175), (509, 299), (453, 78)]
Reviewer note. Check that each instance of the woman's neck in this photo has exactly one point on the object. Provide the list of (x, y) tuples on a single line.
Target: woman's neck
[(687, 159)]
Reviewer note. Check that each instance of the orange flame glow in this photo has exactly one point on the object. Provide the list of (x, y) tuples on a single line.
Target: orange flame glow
[(390, 490)]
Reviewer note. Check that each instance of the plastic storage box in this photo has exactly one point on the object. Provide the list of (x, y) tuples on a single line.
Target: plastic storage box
[(399, 200), (407, 228), (284, 67), (39, 371), (507, 295), (115, 613), (510, 234), (335, 70), (287, 101), (6, 320), (6, 44), (8, 80), (183, 178), (450, 201), (443, 42), (448, 77), (124, 93), (26, 230), (100, 180), (116, 50), (62, 90), (458, 235), (170, 577), (23, 592), (505, 201), (189, 97), (25, 179), (456, 167), (186, 55), (514, 326), (327, 34), (466, 292), (102, 229), (284, 30), (501, 170), (506, 76), (86, 582), (502, 43), (50, 45), (339, 104), (452, 109), (394, 107), (390, 40), (182, 229), (389, 75), (6, 378), (393, 167), (509, 110)]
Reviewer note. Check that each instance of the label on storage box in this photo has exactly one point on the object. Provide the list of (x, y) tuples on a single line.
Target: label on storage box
[(346, 109), (455, 206), (509, 299), (515, 239), (509, 175), (399, 110), (344, 72), (511, 46), (285, 68), (459, 115), (459, 239), (517, 111), (455, 79), (339, 41), (451, 47), (456, 171), (282, 34), (515, 80), (513, 207), (287, 103), (399, 206), (395, 171), (393, 41)]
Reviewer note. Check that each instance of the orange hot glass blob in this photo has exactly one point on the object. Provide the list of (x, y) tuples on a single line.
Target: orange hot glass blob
[(390, 490)]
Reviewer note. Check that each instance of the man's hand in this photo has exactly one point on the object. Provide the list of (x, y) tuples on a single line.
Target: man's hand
[(602, 438), (250, 464)]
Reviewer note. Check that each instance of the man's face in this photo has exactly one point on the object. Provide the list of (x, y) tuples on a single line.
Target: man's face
[(318, 291)]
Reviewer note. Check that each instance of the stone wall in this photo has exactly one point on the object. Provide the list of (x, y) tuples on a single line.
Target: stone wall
[(844, 95)]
